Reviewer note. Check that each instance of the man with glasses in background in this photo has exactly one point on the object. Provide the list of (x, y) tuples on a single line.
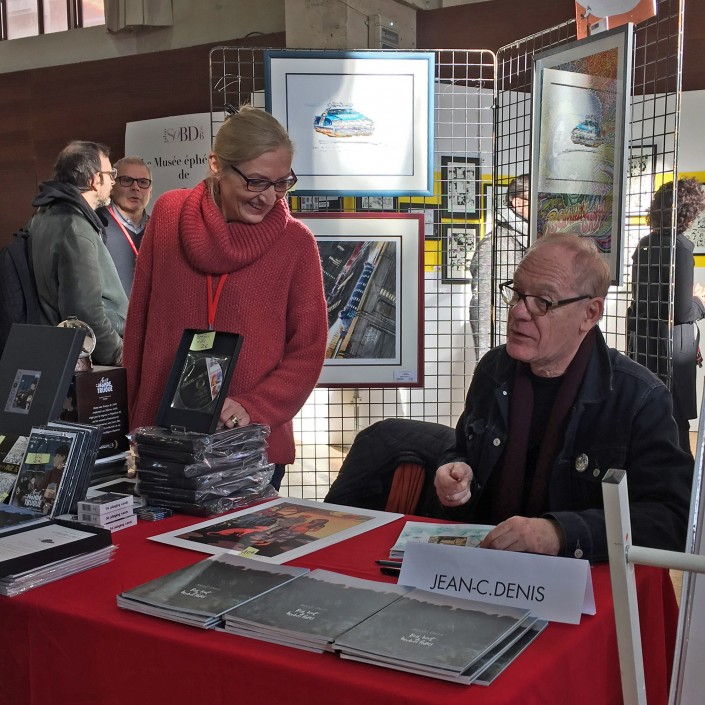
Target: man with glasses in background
[(550, 412), (74, 271), (126, 216)]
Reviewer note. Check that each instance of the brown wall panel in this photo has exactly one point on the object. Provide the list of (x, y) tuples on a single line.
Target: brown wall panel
[(43, 109)]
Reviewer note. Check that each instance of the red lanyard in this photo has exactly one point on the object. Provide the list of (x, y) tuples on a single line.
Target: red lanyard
[(214, 298), (124, 230)]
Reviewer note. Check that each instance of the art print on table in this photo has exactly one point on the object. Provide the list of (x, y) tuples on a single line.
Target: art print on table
[(373, 283), (580, 112), (277, 531), (362, 121)]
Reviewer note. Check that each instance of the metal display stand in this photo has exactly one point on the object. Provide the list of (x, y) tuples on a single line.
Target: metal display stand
[(623, 555)]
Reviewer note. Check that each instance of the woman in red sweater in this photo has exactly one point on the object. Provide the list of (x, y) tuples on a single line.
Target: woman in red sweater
[(228, 254)]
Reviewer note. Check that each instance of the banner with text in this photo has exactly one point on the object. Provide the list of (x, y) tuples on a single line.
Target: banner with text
[(176, 149)]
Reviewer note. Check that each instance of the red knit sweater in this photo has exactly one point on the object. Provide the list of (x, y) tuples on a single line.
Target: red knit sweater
[(273, 297)]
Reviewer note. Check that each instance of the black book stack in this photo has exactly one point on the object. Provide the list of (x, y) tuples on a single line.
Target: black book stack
[(203, 474)]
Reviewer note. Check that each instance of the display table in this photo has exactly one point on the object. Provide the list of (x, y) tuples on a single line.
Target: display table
[(68, 643)]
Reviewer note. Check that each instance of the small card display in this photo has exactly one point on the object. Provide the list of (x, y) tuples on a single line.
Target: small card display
[(199, 380)]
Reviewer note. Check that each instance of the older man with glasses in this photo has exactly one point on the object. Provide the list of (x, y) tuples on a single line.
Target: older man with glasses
[(550, 412), (74, 271), (126, 216)]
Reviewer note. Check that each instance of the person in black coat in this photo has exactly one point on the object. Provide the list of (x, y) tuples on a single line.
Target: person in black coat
[(648, 317)]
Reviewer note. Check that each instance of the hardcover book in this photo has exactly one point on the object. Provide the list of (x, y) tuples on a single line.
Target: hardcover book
[(314, 609), (466, 535), (201, 593)]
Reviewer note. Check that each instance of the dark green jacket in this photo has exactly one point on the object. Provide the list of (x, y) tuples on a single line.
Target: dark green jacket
[(74, 271)]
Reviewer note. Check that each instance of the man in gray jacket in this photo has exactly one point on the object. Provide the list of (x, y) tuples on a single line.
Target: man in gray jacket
[(74, 271)]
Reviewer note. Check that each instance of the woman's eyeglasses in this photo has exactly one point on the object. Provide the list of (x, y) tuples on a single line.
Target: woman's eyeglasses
[(260, 185)]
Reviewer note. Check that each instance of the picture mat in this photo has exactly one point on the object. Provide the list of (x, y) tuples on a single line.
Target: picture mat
[(349, 520), (394, 90), (405, 231), (578, 180)]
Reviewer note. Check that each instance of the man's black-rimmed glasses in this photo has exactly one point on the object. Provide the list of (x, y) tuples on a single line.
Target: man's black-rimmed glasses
[(127, 181), (259, 185), (535, 305)]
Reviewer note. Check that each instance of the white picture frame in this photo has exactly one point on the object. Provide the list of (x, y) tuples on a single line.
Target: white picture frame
[(362, 121)]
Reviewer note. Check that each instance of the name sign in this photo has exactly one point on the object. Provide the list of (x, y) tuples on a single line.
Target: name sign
[(554, 589)]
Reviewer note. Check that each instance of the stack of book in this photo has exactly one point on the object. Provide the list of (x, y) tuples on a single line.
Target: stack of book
[(110, 510), (203, 474), (39, 552), (200, 594), (434, 635), (312, 611)]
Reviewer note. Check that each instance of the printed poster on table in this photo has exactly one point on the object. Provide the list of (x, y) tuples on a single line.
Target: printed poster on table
[(278, 531)]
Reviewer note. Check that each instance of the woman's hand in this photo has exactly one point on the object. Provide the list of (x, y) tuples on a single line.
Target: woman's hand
[(233, 414)]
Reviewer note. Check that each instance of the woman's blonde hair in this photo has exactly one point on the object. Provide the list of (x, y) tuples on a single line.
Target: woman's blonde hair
[(247, 134)]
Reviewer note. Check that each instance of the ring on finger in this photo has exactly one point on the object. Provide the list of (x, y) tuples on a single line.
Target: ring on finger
[(233, 420)]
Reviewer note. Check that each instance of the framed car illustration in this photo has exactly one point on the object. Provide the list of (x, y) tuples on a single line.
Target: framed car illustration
[(580, 111), (373, 281), (362, 121)]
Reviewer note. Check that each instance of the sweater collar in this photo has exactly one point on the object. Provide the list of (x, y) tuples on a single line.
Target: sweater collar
[(213, 246)]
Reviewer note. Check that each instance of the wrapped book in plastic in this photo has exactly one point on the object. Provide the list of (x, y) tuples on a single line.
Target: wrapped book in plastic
[(203, 474)]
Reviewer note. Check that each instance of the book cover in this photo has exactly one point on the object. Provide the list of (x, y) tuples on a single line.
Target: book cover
[(212, 586), (321, 604), (466, 535), (432, 632), (41, 475)]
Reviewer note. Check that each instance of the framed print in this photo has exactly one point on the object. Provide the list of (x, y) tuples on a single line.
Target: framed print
[(199, 380), (373, 281), (641, 168), (375, 203), (458, 243), (580, 110), (460, 187), (430, 218), (315, 204), (362, 121)]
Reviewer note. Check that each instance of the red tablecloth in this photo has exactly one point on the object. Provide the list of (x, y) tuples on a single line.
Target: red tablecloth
[(68, 643)]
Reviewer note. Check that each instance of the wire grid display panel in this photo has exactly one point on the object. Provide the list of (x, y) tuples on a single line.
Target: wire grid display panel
[(652, 154), (455, 219)]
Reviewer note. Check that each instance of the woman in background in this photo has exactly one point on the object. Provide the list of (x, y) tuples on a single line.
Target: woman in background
[(228, 255), (648, 314)]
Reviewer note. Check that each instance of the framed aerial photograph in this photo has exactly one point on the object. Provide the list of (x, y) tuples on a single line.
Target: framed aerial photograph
[(373, 281), (277, 531), (458, 243), (460, 187), (580, 111), (362, 121)]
